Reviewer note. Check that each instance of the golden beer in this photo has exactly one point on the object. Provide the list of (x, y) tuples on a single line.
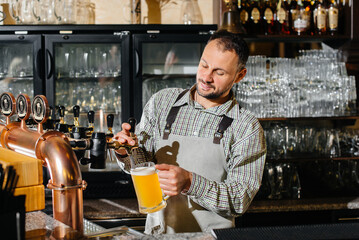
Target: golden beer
[(147, 187)]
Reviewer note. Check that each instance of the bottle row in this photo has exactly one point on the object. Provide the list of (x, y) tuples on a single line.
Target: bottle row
[(298, 17)]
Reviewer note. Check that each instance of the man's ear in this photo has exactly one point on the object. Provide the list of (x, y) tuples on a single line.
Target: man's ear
[(240, 75)]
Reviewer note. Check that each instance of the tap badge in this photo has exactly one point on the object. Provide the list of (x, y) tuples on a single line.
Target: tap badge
[(7, 104), (38, 109), (23, 106)]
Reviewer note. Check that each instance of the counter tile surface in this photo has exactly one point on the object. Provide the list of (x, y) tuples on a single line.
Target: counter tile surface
[(39, 225)]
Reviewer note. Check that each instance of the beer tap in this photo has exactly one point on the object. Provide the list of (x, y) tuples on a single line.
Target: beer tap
[(50, 123), (61, 111), (109, 134), (110, 118), (61, 126), (76, 110), (91, 120), (129, 148), (99, 145), (78, 132)]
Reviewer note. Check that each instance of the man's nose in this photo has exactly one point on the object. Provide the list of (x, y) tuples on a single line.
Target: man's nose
[(208, 76)]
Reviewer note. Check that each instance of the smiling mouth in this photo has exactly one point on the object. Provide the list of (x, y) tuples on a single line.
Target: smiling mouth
[(204, 86)]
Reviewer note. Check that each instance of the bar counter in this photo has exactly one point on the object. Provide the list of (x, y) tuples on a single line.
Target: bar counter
[(41, 223)]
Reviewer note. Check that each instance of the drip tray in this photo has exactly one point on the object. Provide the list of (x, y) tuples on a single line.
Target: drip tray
[(136, 223), (110, 227)]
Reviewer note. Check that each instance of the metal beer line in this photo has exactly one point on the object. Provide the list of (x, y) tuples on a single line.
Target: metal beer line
[(60, 152)]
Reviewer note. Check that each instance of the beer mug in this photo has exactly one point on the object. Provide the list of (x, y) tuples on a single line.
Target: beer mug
[(147, 187)]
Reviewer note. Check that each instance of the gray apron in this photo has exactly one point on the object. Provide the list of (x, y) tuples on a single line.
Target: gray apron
[(182, 214)]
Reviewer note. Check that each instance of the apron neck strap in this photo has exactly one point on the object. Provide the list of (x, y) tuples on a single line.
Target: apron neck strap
[(172, 116), (223, 125)]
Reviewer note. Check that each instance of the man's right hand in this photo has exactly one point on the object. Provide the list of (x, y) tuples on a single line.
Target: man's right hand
[(124, 137)]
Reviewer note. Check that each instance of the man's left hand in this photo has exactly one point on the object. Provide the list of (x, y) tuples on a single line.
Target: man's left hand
[(173, 179)]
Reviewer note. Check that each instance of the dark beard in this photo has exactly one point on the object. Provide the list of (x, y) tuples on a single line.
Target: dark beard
[(211, 95)]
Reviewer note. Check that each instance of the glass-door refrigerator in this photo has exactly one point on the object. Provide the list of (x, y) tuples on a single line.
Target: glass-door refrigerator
[(20, 64), (91, 71), (166, 59)]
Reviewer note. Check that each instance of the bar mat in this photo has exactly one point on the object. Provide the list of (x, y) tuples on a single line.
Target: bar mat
[(341, 231)]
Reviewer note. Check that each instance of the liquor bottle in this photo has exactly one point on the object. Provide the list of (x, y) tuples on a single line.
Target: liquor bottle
[(282, 23), (320, 17), (268, 17), (292, 11), (333, 17), (231, 18), (300, 19), (309, 6), (342, 5), (255, 18), (243, 13)]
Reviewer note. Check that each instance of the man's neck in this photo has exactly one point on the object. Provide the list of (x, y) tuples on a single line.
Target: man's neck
[(209, 103)]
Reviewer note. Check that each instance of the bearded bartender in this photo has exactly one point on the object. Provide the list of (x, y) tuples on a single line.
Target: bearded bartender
[(209, 151)]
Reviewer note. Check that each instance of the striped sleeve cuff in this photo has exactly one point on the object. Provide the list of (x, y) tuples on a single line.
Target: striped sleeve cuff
[(198, 186)]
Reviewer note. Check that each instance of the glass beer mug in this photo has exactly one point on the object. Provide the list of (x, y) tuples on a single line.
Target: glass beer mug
[(147, 187)]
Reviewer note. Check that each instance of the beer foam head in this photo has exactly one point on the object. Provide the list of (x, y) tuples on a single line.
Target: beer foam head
[(143, 171)]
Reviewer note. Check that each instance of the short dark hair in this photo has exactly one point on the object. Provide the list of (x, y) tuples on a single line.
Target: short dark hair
[(231, 41)]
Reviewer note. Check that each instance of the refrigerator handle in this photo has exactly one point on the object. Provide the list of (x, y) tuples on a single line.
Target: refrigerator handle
[(37, 65), (49, 62), (137, 63)]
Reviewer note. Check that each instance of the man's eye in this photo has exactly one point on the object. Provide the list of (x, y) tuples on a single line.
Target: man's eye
[(220, 73)]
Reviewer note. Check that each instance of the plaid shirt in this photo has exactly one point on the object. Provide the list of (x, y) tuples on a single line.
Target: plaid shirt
[(243, 143)]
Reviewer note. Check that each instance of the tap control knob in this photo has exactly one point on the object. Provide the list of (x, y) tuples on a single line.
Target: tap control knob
[(132, 122), (40, 110), (76, 110), (51, 112), (61, 112), (91, 117), (23, 107), (110, 118), (8, 105)]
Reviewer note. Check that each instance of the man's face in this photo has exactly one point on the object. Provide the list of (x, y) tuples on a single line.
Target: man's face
[(217, 71)]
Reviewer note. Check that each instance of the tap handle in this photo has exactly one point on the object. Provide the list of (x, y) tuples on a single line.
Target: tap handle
[(51, 111), (76, 110), (91, 117), (132, 122), (61, 111), (110, 118)]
